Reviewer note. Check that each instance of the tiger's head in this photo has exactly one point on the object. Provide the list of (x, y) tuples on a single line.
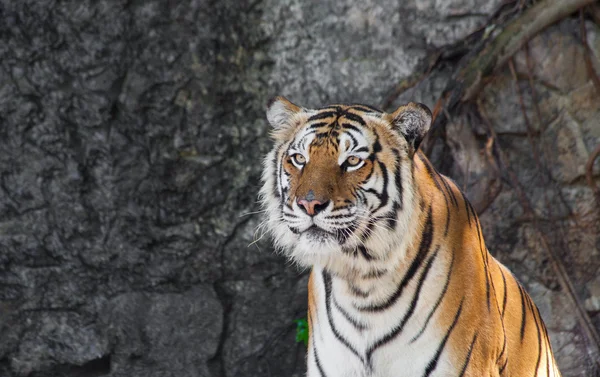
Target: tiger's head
[(338, 185)]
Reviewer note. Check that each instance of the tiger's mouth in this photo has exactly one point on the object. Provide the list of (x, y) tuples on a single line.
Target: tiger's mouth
[(317, 233), (320, 235)]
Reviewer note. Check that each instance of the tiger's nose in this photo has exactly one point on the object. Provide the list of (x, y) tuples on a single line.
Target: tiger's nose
[(312, 207)]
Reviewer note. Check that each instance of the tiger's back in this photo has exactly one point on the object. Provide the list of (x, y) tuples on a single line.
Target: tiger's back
[(503, 324), (401, 282)]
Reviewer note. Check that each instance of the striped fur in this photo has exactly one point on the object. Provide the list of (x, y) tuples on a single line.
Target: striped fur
[(402, 283)]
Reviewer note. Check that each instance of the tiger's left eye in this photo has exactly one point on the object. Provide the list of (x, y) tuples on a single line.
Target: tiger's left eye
[(353, 161)]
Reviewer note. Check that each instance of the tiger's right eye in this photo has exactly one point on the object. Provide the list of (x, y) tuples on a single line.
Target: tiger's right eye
[(298, 160)]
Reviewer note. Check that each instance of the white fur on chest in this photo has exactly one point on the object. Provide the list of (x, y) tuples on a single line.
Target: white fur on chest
[(373, 346)]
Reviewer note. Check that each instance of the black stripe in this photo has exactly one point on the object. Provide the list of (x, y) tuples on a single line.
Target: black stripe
[(361, 195), (342, 236), (354, 141), (487, 280), (450, 191), (374, 192), (303, 140), (316, 125), (316, 354), (369, 175), (432, 173), (361, 149), (384, 195), (444, 181), (320, 136), (325, 115), (467, 209), (424, 247), (504, 299), (355, 290), (473, 213), (354, 118), (484, 253), (336, 333), (523, 313), (393, 217), (318, 362), (503, 346), (357, 325), (376, 144), (447, 227), (430, 170), (351, 127), (438, 302), (348, 251), (433, 363), (411, 309), (503, 366), (368, 231), (339, 216), (365, 253), (468, 359), (398, 178)]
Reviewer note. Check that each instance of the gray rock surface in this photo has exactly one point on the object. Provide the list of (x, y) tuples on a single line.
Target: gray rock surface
[(132, 134)]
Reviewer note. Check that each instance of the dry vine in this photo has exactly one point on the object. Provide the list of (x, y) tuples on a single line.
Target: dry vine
[(595, 12), (470, 78)]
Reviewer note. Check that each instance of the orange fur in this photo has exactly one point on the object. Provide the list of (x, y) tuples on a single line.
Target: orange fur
[(492, 326)]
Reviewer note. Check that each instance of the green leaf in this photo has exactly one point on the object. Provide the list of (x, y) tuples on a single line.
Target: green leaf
[(301, 331)]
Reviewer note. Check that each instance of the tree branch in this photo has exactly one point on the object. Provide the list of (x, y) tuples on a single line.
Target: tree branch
[(470, 79)]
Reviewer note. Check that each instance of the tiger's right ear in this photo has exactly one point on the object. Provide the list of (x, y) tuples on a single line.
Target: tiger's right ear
[(280, 112)]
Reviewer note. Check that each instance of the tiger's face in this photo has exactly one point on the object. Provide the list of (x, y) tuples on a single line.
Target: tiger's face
[(339, 179)]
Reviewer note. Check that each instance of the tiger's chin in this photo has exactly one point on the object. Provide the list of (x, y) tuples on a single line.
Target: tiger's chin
[(310, 247), (319, 238), (316, 246), (314, 249)]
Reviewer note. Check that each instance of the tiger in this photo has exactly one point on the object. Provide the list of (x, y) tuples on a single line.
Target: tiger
[(401, 281)]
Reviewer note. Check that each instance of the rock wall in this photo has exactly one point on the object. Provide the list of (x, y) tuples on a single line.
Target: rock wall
[(132, 134)]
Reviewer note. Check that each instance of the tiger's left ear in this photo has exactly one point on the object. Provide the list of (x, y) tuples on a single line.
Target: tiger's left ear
[(412, 121)]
